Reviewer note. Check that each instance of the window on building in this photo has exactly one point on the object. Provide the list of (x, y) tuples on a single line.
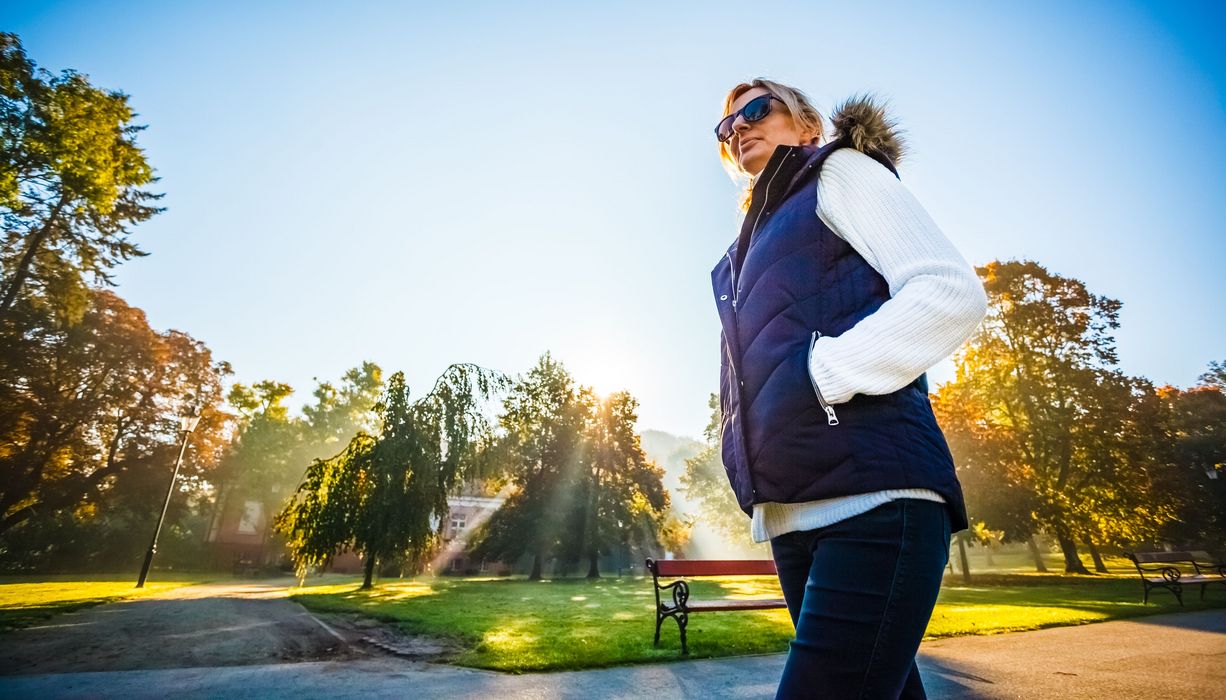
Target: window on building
[(253, 513)]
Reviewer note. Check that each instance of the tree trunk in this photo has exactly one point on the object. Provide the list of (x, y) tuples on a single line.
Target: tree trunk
[(1038, 557), (966, 567), (1072, 562), (1099, 566), (13, 284), (367, 581), (536, 568), (593, 569)]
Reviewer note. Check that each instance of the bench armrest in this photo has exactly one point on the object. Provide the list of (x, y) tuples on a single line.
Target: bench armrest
[(681, 594)]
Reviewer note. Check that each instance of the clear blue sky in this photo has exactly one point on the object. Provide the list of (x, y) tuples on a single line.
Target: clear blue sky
[(478, 182)]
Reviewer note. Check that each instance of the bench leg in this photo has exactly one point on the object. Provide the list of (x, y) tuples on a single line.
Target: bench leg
[(659, 621), (1178, 591), (682, 620), (1145, 601)]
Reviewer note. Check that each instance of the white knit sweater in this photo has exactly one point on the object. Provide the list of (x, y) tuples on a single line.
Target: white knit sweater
[(936, 303)]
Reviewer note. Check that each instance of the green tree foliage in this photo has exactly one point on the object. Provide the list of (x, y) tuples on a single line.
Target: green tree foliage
[(272, 448), (706, 482), (541, 452), (620, 500), (385, 497), (265, 459), (70, 184), (341, 411), (581, 484), (88, 416), (1045, 429)]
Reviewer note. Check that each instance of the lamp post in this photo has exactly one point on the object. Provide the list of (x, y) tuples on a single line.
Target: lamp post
[(187, 424)]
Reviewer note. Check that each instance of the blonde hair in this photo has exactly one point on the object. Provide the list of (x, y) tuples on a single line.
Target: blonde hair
[(804, 115)]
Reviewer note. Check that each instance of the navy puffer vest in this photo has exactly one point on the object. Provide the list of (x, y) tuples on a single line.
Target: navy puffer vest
[(787, 280)]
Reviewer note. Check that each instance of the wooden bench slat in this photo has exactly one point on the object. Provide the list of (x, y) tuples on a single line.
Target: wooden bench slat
[(1171, 557), (716, 605), (715, 567)]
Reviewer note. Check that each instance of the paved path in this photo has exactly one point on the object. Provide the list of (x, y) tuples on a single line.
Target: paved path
[(1161, 656), (206, 625)]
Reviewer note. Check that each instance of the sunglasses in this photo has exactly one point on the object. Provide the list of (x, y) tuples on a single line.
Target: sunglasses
[(754, 110)]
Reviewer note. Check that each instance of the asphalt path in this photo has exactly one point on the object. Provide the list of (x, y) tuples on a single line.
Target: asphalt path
[(247, 641), (205, 625)]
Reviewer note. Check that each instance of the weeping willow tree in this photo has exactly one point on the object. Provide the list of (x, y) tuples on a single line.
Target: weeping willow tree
[(385, 496)]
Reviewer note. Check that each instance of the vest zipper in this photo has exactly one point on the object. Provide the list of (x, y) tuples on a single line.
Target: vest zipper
[(831, 418), (736, 289)]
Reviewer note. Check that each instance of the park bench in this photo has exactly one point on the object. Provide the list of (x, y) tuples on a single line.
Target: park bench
[(681, 606), (1204, 572)]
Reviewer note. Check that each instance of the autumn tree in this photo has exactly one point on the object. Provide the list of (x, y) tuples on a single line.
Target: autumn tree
[(88, 407), (1194, 481), (1215, 376), (71, 184), (385, 496), (1044, 415)]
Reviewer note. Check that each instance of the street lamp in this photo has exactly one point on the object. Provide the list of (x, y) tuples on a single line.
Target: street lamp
[(187, 424)]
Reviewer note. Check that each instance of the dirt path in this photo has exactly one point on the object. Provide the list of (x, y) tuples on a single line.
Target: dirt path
[(206, 625)]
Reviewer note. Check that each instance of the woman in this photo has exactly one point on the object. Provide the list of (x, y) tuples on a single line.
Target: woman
[(839, 293)]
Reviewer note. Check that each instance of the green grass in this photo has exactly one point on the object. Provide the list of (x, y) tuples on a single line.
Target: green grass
[(518, 625), (26, 601)]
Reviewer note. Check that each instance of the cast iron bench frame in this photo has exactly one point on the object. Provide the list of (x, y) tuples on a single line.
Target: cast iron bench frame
[(682, 606), (1172, 579)]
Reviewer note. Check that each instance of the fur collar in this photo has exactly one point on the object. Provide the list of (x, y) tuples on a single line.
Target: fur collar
[(861, 120)]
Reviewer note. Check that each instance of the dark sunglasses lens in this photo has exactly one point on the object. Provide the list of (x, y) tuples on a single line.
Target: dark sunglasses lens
[(723, 131), (757, 108)]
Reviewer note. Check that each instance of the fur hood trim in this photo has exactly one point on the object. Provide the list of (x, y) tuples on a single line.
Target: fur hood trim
[(862, 121)]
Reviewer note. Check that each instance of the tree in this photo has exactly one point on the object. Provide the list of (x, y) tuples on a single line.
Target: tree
[(341, 411), (620, 500), (1194, 480), (706, 482), (581, 483), (1215, 376), (1039, 413), (386, 496), (265, 460), (71, 175), (86, 408), (541, 452), (272, 449)]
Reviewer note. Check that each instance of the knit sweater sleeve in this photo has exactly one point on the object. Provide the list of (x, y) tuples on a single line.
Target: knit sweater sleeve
[(936, 299)]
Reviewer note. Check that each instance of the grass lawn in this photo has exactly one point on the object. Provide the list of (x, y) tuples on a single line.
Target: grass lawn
[(26, 601), (517, 625)]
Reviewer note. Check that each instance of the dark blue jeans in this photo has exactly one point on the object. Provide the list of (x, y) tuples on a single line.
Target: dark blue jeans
[(860, 593)]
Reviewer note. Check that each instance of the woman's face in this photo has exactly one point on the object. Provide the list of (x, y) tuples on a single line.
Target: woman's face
[(753, 143)]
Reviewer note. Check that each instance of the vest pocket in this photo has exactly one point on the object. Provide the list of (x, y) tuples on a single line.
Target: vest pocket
[(831, 417)]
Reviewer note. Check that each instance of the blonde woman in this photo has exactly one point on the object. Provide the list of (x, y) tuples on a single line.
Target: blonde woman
[(836, 297)]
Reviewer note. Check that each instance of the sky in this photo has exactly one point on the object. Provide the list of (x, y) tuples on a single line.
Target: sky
[(419, 185)]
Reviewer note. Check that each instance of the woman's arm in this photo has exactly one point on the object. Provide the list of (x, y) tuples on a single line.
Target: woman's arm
[(936, 299)]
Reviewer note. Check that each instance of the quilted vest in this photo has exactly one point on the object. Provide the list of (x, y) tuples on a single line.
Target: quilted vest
[(788, 280)]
